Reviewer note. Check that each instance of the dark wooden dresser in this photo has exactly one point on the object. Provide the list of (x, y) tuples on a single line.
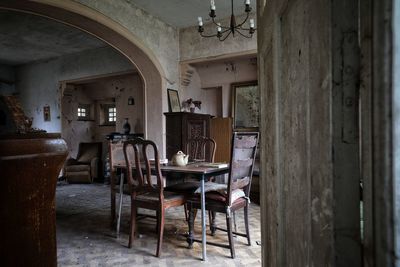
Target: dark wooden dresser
[(181, 126)]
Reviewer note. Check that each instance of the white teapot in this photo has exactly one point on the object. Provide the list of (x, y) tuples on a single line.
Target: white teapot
[(180, 159)]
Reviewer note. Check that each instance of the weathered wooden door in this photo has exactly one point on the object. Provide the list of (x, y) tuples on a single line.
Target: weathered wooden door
[(309, 82)]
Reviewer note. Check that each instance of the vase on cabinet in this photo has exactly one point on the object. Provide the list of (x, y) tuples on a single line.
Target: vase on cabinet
[(126, 126)]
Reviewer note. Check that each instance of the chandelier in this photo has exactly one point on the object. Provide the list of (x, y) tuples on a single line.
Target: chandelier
[(224, 31)]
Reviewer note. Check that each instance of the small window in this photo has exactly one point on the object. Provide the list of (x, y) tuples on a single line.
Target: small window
[(112, 114), (83, 112), (108, 114)]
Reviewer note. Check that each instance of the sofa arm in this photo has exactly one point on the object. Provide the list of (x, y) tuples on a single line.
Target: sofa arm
[(70, 161), (94, 168)]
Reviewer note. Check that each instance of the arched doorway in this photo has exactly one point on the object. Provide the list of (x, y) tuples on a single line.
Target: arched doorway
[(102, 27)]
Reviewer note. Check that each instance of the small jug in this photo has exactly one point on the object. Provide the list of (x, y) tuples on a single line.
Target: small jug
[(180, 159)]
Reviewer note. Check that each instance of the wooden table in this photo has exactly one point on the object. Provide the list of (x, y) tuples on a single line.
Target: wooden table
[(197, 171)]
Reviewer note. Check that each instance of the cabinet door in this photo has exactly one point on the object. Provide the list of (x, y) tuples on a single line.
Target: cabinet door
[(173, 135), (196, 127)]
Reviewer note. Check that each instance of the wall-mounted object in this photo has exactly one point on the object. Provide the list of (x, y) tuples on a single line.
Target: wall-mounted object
[(245, 105), (46, 113), (131, 101), (173, 101)]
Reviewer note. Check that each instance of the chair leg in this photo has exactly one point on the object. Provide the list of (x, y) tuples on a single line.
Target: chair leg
[(246, 223), (160, 219), (157, 222), (230, 236), (186, 212), (190, 236), (212, 215), (133, 224), (121, 197)]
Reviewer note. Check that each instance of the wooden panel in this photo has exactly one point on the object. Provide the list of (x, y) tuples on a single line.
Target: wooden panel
[(181, 126), (293, 103), (221, 132)]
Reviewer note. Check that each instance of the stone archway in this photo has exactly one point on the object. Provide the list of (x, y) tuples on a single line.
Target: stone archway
[(109, 31)]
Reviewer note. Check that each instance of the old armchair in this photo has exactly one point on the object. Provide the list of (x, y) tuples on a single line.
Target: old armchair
[(87, 165)]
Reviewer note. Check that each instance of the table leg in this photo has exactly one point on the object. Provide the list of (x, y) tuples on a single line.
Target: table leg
[(203, 218), (112, 184), (121, 196)]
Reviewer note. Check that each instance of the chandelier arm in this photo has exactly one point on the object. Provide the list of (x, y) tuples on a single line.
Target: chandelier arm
[(246, 36), (227, 30), (206, 35), (240, 24), (216, 24), (223, 39), (213, 35)]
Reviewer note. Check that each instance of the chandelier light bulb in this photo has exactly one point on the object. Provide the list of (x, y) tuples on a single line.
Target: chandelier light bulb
[(219, 29), (212, 5), (251, 23), (200, 19), (247, 2)]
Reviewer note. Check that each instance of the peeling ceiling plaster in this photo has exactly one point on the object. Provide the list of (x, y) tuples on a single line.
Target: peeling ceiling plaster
[(184, 13), (26, 38)]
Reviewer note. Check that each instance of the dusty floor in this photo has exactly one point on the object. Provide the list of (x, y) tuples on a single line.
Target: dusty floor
[(85, 237)]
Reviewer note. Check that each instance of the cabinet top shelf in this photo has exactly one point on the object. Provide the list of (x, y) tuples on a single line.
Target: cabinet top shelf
[(186, 113)]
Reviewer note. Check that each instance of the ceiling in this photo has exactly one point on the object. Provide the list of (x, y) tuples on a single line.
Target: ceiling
[(26, 38), (184, 13)]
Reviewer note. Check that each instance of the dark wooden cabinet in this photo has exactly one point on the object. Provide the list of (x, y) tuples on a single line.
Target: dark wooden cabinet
[(181, 126)]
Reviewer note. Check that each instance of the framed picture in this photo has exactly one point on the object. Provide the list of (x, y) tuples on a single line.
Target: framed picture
[(173, 101), (245, 106), (46, 113)]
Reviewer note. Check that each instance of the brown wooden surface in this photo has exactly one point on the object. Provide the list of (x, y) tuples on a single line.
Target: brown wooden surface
[(28, 169), (144, 193), (194, 168), (243, 150), (182, 126), (221, 132)]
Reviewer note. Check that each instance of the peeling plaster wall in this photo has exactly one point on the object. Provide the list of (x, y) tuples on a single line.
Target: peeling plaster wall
[(193, 46), (38, 83), (7, 79), (160, 37), (210, 98), (219, 76), (101, 91), (77, 131)]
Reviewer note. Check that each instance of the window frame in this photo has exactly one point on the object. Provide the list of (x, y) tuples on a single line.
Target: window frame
[(86, 108)]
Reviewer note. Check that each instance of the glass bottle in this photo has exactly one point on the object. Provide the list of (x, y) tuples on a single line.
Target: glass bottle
[(126, 126)]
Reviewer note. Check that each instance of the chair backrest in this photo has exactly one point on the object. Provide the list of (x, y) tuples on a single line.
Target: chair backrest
[(201, 148), (137, 160), (115, 148), (243, 154), (117, 158)]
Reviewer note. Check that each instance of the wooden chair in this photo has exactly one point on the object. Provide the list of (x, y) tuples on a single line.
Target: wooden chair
[(235, 195), (199, 149), (145, 194)]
